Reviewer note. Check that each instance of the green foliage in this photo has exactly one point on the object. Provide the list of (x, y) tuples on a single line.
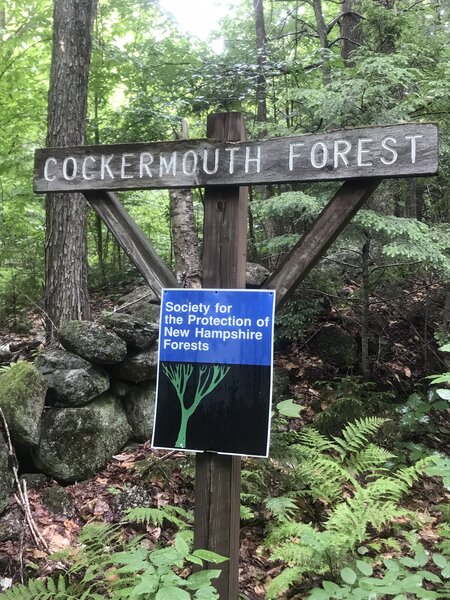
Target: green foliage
[(349, 398), (416, 414), (104, 565), (401, 579), (177, 516), (323, 467)]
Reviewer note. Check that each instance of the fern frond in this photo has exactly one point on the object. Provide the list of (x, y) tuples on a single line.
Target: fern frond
[(283, 582), (311, 438), (96, 536), (324, 476), (355, 436), (282, 507), (369, 459), (174, 514), (41, 589)]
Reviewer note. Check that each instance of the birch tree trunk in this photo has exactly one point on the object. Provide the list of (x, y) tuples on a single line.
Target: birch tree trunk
[(66, 295)]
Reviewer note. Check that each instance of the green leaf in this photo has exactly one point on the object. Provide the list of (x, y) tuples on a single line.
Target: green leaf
[(444, 394), (330, 587), (172, 593), (195, 559), (182, 546), (364, 567), (440, 560), (288, 408), (348, 575), (202, 578), (421, 557), (148, 583), (429, 576), (318, 594), (409, 562), (209, 556)]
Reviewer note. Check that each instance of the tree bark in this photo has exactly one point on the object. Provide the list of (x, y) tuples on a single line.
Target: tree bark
[(351, 30), (323, 39), (261, 41), (365, 308), (66, 295), (187, 265)]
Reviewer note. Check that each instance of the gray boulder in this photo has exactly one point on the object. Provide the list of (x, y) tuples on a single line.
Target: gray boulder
[(335, 346), (57, 500), (11, 525), (22, 396), (72, 381), (141, 302), (93, 342), (255, 275), (136, 332), (138, 367), (78, 442), (6, 480), (139, 407)]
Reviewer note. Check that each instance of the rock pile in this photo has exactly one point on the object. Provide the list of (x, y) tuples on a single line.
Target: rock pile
[(78, 405)]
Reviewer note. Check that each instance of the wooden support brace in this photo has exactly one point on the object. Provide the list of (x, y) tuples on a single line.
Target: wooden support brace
[(319, 237), (133, 241)]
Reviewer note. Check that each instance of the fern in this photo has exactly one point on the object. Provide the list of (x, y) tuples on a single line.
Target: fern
[(283, 581), (369, 460), (355, 436), (108, 565), (156, 516), (43, 589), (282, 508), (325, 468)]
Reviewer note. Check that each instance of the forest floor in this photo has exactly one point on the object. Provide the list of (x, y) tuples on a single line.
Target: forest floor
[(141, 476)]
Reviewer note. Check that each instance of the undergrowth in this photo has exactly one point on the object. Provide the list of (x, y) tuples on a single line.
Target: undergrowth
[(108, 564)]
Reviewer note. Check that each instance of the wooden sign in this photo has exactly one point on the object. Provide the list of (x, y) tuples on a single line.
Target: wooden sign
[(392, 151)]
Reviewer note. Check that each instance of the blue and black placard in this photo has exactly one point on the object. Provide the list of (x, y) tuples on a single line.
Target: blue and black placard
[(215, 371)]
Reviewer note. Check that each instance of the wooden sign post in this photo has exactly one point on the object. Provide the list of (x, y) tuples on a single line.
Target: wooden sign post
[(218, 477), (223, 164)]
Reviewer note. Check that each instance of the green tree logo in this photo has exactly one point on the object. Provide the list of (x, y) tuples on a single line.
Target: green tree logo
[(209, 377)]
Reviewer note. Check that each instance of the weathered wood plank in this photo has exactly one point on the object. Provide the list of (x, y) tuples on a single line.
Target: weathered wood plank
[(133, 241), (322, 233), (389, 151), (217, 488)]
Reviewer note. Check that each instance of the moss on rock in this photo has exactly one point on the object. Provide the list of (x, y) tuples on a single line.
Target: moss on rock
[(77, 442), (22, 396), (93, 342)]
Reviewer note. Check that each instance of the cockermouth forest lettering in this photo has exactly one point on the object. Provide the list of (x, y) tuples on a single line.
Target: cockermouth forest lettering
[(389, 151)]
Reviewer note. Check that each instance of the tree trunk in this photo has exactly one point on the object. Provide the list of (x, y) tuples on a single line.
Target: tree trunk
[(66, 295), (323, 39), (365, 306), (186, 251), (261, 41), (351, 30), (265, 191)]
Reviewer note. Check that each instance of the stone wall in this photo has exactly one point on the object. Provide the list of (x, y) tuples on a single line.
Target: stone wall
[(76, 405)]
